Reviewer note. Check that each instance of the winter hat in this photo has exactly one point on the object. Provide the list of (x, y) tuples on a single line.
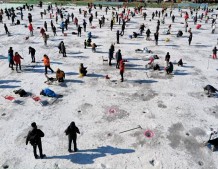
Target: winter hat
[(33, 125), (72, 124)]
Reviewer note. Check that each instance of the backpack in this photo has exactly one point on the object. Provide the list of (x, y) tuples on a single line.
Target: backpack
[(33, 138)]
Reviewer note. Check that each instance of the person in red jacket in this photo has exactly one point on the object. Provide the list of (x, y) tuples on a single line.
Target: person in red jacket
[(122, 67), (42, 31), (31, 29), (17, 61)]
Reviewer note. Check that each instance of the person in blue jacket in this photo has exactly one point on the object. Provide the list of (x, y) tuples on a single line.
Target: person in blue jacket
[(48, 92), (62, 26)]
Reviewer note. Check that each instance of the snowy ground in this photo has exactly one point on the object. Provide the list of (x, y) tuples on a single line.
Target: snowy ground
[(174, 106)]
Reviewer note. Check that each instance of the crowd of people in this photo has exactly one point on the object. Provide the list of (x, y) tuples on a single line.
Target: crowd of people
[(120, 16)]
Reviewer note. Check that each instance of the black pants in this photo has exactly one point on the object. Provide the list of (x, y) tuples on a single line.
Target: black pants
[(61, 79), (156, 42), (33, 58), (79, 34), (46, 69), (39, 145), (70, 139), (122, 32), (121, 74), (18, 64), (118, 40), (11, 64), (110, 61), (64, 53), (189, 42)]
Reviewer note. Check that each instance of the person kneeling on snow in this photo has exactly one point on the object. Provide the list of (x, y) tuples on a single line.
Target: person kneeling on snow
[(82, 70), (180, 63), (179, 34), (48, 92), (169, 69), (94, 47), (156, 67), (60, 75), (135, 35)]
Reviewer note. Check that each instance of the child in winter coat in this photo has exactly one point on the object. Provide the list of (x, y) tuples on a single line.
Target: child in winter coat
[(31, 29), (17, 61), (60, 75), (46, 62)]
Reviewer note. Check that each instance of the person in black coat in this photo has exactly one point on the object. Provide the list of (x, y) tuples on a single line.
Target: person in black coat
[(112, 24), (34, 137), (190, 38), (118, 58), (167, 58), (110, 56), (79, 30), (6, 29), (10, 57), (118, 36), (32, 51), (72, 131), (156, 35), (148, 32)]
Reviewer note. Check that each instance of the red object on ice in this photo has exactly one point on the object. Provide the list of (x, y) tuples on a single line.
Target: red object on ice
[(36, 98), (198, 26), (149, 134), (9, 98)]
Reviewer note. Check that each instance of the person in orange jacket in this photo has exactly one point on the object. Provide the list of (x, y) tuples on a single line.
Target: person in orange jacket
[(46, 62), (31, 29), (17, 61), (122, 67)]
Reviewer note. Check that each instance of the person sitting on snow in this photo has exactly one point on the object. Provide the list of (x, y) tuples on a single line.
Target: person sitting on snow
[(82, 70), (179, 34), (60, 75), (89, 41), (169, 69), (180, 63), (156, 67), (135, 35), (48, 92), (94, 47)]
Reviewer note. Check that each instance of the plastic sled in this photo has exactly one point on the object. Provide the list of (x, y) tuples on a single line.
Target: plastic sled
[(11, 98), (36, 98)]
